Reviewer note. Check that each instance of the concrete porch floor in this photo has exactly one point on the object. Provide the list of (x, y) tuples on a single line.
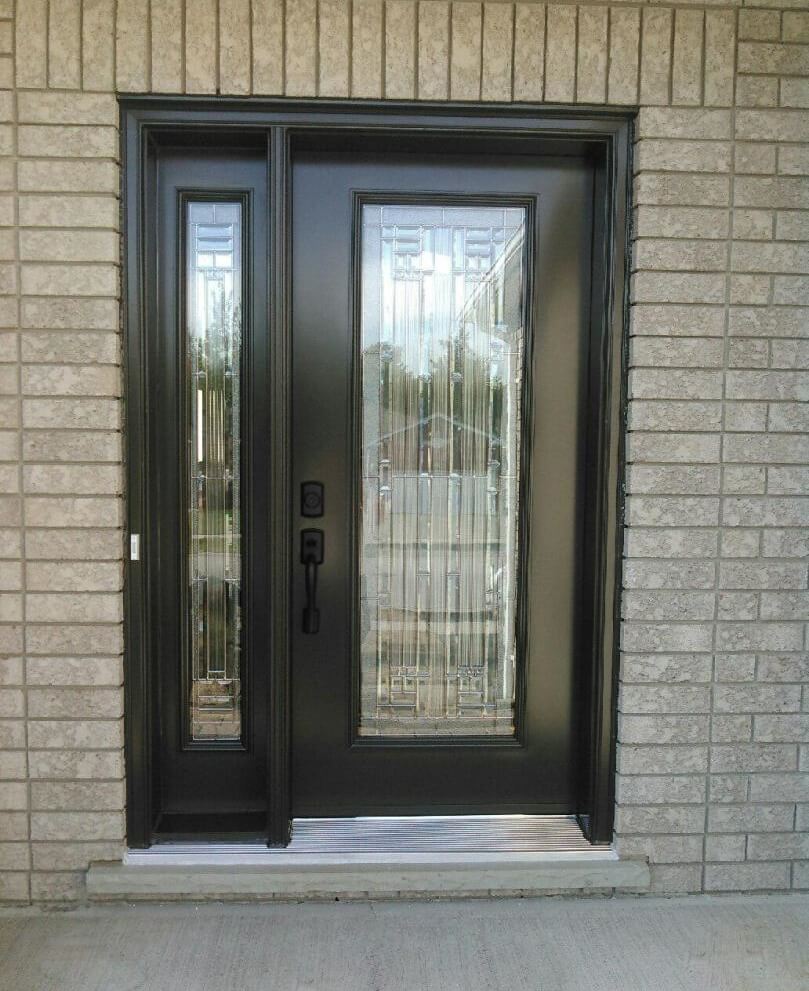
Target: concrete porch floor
[(734, 943)]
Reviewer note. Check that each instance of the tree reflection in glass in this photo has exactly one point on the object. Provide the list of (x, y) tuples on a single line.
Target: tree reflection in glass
[(213, 314), (442, 320)]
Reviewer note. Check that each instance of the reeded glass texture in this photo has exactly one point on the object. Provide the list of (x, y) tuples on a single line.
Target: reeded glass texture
[(213, 347), (442, 291)]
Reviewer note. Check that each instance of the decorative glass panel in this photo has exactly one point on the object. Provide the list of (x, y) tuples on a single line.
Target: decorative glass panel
[(213, 348), (442, 343)]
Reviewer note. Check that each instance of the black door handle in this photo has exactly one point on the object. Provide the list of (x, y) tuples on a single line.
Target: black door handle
[(311, 558)]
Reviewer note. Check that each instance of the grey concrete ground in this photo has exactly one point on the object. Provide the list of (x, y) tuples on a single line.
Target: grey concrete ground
[(644, 944)]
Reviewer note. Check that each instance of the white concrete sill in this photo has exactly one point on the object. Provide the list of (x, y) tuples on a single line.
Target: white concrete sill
[(163, 874)]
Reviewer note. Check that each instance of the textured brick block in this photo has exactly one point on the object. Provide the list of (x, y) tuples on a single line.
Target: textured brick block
[(334, 50), (529, 51), (747, 877)]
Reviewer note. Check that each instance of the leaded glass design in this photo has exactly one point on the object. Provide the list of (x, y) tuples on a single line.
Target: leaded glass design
[(442, 318), (213, 347)]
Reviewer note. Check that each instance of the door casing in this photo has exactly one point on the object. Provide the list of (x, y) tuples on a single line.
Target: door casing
[(148, 122)]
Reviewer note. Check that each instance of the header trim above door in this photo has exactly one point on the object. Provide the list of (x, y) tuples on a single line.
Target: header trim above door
[(149, 123)]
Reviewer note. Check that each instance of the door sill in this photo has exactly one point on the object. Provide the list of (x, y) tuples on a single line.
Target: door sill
[(370, 857)]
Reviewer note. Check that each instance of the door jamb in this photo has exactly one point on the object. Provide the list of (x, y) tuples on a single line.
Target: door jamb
[(143, 119)]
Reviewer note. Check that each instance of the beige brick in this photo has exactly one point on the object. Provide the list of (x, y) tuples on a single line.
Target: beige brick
[(759, 25), (167, 46), (98, 44), (686, 74), (591, 71), (74, 703), (677, 122), (400, 55), (57, 887), (301, 48), (70, 314), (66, 176), (131, 46), (683, 155), (68, 211), (70, 380), (794, 93), (795, 26), (759, 57), (433, 53), (88, 765), (64, 44), (560, 54), (61, 280), (76, 733), (704, 256), (234, 43), (334, 48), (59, 141), (73, 544), (77, 826), (498, 43), (782, 192), (72, 856), (66, 511), (746, 877), (753, 158), (72, 479), (268, 60), (467, 27), (670, 189), (757, 91), (73, 608), (793, 159), (624, 49), (200, 46), (80, 796), (74, 671), (690, 222), (66, 445), (366, 49), (73, 576), (720, 50), (31, 43), (656, 56), (529, 51), (70, 246), (772, 125)]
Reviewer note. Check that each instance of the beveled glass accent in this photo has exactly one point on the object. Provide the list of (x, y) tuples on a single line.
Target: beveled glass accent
[(213, 349), (442, 340)]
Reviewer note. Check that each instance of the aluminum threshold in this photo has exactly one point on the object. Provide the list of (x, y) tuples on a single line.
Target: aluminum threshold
[(383, 837)]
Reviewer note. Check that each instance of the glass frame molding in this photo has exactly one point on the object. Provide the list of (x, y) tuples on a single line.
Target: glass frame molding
[(529, 207), (186, 199)]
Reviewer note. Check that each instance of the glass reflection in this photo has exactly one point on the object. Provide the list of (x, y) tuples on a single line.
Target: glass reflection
[(213, 349), (441, 364)]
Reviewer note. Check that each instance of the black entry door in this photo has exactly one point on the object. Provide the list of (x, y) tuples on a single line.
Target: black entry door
[(439, 314)]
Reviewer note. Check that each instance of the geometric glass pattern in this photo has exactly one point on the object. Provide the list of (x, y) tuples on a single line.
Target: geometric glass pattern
[(213, 349), (442, 343)]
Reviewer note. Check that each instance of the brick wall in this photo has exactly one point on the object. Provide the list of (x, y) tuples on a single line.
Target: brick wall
[(714, 706)]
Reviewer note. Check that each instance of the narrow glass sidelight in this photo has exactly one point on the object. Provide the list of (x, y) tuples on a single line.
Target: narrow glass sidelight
[(213, 415), (442, 341)]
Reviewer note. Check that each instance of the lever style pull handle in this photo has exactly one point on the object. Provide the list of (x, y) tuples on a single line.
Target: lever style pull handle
[(311, 559)]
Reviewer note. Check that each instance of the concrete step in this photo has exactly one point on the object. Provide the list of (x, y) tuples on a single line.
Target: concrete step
[(273, 875)]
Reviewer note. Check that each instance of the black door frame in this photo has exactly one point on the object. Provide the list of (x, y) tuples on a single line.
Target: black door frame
[(145, 123)]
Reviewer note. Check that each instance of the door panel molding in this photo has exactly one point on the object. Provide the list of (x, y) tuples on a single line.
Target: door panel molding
[(151, 123)]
